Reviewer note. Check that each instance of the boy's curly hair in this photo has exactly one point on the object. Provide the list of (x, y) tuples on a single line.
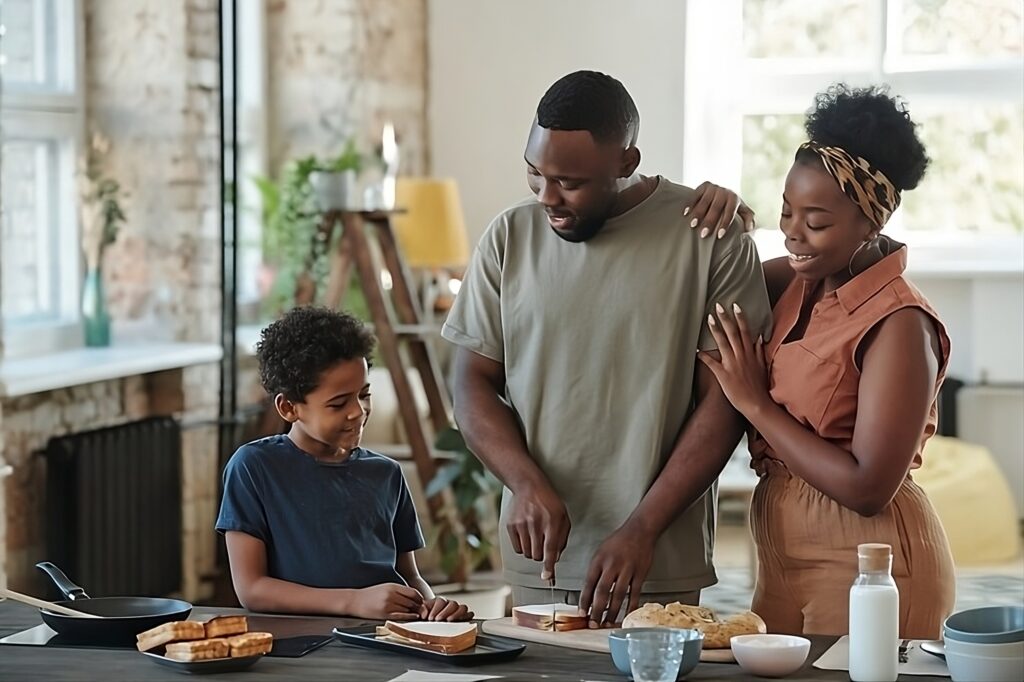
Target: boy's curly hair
[(294, 351)]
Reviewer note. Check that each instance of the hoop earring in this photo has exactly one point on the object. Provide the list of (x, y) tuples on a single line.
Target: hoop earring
[(856, 251)]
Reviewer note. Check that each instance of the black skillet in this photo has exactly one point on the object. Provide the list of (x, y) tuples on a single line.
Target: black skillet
[(122, 617)]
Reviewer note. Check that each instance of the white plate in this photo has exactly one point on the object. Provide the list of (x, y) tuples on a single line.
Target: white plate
[(936, 648)]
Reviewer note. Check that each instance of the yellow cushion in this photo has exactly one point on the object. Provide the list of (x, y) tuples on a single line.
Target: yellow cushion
[(972, 499)]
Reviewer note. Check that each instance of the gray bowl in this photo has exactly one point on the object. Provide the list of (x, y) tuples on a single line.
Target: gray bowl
[(966, 668), (619, 647), (987, 625)]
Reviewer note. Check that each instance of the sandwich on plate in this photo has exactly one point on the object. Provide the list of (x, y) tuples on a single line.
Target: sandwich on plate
[(445, 638)]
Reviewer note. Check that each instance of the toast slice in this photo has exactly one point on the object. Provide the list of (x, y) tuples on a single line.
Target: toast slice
[(446, 638), (250, 644), (224, 626), (539, 617), (201, 650), (176, 631)]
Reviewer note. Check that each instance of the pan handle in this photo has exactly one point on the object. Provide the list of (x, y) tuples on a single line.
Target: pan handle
[(63, 583)]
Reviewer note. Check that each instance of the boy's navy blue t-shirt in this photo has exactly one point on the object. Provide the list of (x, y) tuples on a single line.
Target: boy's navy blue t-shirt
[(324, 525)]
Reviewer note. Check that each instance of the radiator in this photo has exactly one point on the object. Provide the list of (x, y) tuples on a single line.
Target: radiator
[(113, 508)]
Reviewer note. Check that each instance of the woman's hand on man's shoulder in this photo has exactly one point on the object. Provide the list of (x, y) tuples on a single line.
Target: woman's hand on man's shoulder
[(713, 208)]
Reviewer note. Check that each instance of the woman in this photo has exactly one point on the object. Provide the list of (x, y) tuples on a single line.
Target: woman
[(842, 398)]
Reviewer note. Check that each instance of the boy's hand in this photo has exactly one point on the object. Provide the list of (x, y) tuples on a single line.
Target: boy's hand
[(389, 601), (440, 608)]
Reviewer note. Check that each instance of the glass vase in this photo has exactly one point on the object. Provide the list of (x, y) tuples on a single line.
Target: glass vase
[(94, 310)]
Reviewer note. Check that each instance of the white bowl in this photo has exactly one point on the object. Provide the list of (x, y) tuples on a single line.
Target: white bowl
[(1005, 650), (770, 655), (965, 668)]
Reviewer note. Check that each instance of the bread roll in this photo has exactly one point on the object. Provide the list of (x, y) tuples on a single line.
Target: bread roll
[(717, 632)]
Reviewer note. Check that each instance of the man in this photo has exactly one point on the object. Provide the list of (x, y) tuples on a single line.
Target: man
[(577, 381)]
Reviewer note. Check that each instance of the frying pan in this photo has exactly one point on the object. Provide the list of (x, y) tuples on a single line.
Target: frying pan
[(122, 617)]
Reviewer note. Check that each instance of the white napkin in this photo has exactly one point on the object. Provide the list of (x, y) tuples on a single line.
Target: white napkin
[(918, 662), (423, 676)]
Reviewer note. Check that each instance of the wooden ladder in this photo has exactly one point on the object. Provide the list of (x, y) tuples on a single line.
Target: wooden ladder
[(397, 323)]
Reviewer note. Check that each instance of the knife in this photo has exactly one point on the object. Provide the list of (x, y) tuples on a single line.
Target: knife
[(551, 585)]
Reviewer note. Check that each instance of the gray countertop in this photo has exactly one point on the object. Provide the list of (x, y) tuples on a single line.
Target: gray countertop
[(332, 662)]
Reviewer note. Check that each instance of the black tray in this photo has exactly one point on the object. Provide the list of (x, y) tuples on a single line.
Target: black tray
[(213, 665), (488, 649)]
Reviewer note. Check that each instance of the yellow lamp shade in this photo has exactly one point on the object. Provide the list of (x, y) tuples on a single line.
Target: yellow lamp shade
[(432, 231)]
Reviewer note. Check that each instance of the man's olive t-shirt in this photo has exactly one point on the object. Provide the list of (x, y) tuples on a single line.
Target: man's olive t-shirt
[(599, 342)]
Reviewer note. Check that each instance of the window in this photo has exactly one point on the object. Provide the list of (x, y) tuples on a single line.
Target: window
[(42, 118), (248, 73), (754, 66)]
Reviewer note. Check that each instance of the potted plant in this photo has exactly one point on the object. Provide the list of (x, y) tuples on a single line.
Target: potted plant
[(294, 251), (334, 182), (467, 534), (100, 199)]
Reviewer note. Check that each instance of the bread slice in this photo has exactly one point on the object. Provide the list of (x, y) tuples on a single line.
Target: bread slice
[(447, 638), (201, 650), (176, 631), (250, 644), (539, 617), (224, 626)]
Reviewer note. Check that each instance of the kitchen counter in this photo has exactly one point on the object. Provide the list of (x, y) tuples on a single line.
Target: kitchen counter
[(332, 662)]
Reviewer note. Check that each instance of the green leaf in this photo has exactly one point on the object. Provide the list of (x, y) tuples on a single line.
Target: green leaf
[(450, 440), (349, 159), (270, 196), (464, 499), (442, 479), (484, 482)]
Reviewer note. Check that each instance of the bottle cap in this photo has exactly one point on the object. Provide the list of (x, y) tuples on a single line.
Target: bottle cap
[(874, 556)]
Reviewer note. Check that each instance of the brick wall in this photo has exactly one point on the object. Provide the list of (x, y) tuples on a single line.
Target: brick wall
[(336, 68), (342, 68), (30, 421), (151, 87), (152, 72)]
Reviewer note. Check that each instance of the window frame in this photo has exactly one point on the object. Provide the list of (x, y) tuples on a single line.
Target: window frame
[(717, 101), (250, 143), (54, 113)]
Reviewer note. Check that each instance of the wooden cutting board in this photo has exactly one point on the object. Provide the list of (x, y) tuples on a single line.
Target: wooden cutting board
[(585, 640)]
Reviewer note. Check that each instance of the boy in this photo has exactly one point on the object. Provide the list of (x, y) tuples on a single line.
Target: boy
[(314, 523)]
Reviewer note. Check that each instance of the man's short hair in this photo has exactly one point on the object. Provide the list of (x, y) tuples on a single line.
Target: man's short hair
[(591, 101)]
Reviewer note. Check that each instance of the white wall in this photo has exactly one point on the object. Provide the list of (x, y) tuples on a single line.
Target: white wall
[(984, 315), (491, 61)]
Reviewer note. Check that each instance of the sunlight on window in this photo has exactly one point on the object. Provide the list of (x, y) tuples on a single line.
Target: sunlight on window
[(788, 28), (975, 183), (24, 61), (43, 115), (976, 178), (24, 218), (964, 28), (769, 144)]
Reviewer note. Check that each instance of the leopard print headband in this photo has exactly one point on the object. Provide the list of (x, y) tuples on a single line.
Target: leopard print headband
[(866, 186)]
